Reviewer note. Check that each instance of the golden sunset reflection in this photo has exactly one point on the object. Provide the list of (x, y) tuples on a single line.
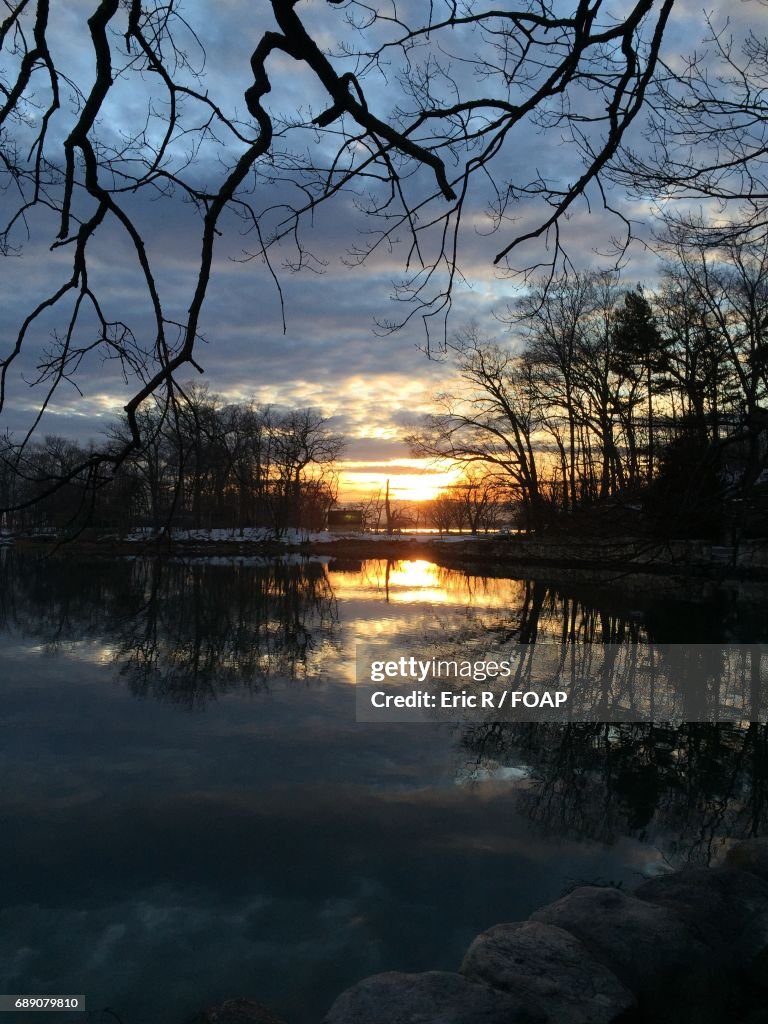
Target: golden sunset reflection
[(416, 581), (415, 576)]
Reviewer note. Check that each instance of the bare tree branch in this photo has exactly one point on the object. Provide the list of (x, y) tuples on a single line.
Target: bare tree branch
[(413, 121)]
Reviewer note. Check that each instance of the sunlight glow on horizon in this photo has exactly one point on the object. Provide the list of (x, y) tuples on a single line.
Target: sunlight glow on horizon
[(415, 484)]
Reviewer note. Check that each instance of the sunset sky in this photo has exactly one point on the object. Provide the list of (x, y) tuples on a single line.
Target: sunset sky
[(374, 388)]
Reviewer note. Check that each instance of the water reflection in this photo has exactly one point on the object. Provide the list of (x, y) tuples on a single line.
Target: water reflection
[(178, 631), (188, 631), (569, 681), (684, 787), (272, 845), (199, 632)]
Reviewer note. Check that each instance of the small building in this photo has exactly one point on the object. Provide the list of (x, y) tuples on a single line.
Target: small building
[(345, 519)]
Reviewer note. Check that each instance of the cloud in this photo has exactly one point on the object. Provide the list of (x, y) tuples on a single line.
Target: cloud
[(331, 355)]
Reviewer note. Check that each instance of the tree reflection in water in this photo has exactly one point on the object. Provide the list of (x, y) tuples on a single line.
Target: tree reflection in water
[(187, 631), (178, 631), (684, 788), (201, 632)]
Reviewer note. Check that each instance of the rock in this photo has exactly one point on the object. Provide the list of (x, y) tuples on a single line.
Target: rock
[(638, 941), (238, 1011), (750, 855), (548, 968), (727, 908), (435, 997), (702, 994), (758, 972)]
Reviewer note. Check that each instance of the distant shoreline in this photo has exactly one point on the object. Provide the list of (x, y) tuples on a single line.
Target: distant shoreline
[(690, 558)]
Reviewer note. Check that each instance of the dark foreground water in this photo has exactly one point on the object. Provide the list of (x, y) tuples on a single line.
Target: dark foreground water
[(189, 811)]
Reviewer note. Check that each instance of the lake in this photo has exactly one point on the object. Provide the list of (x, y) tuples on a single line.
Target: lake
[(191, 812)]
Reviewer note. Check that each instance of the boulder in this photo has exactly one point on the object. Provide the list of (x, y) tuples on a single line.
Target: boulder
[(758, 972), (435, 997), (702, 994), (727, 908), (550, 969), (640, 942), (238, 1011), (750, 855)]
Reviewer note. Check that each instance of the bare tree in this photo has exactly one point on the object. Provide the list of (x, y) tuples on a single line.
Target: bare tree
[(551, 320), (696, 356), (707, 134), (298, 439), (372, 509), (413, 120), (481, 499), (444, 511), (730, 284), (490, 420)]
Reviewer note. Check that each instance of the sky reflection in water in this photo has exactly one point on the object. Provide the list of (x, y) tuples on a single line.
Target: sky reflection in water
[(191, 812)]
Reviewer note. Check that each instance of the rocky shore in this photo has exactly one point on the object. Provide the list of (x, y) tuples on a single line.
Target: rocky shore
[(690, 947)]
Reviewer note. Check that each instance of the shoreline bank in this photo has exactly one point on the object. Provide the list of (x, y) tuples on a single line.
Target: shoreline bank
[(489, 554)]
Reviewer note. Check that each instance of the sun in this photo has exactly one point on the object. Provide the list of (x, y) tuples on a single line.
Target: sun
[(421, 486), (403, 486), (415, 487)]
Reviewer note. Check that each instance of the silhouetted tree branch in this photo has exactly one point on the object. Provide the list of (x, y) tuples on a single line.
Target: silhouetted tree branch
[(708, 138), (413, 120)]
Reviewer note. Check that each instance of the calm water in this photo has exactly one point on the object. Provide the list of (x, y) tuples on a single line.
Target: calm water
[(190, 812)]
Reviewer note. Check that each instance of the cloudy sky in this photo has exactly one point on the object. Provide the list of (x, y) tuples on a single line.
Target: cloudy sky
[(330, 355)]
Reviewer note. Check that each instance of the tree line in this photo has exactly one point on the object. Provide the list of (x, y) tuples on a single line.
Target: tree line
[(203, 464), (645, 407), (628, 399)]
